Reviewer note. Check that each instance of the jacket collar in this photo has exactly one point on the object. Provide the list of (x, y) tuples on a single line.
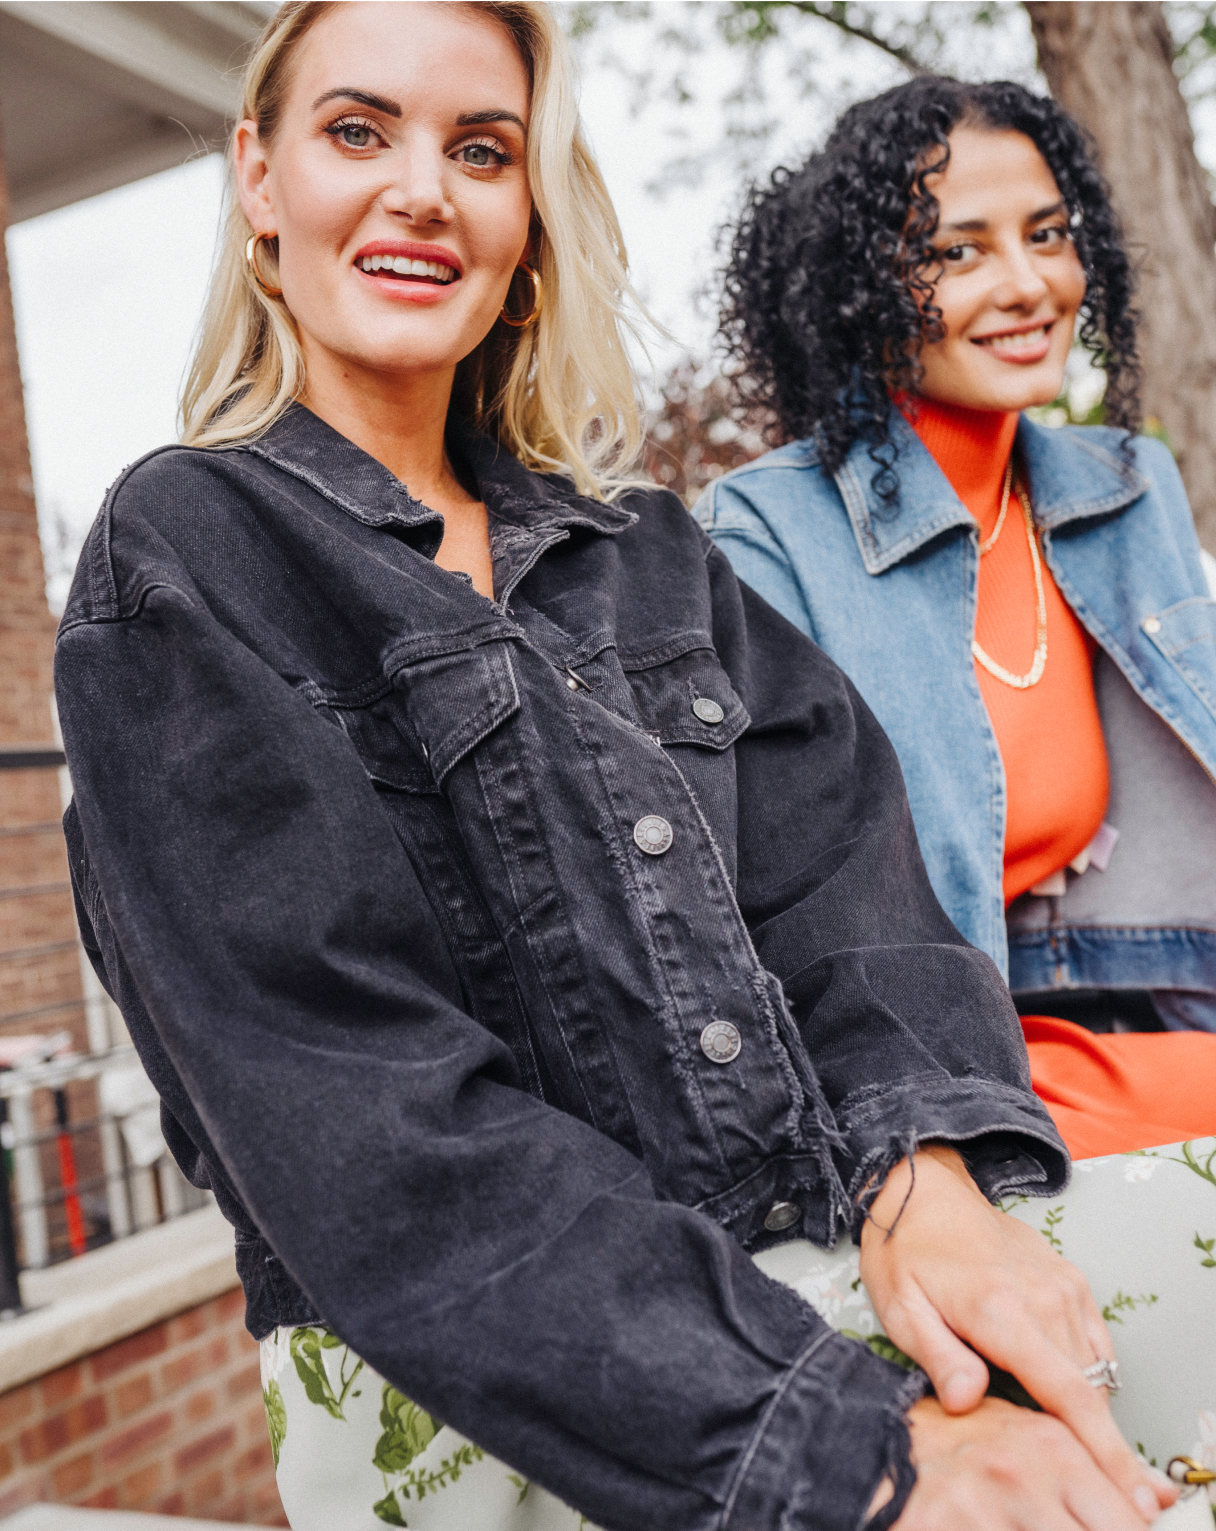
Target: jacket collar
[(300, 443), (1073, 474)]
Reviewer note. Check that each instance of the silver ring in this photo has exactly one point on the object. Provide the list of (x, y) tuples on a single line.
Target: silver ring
[(1103, 1374)]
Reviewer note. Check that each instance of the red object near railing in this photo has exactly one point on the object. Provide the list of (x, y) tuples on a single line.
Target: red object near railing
[(77, 1239)]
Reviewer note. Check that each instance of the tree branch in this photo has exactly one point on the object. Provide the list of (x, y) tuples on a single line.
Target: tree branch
[(836, 13)]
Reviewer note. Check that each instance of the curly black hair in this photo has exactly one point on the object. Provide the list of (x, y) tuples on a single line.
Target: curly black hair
[(828, 288)]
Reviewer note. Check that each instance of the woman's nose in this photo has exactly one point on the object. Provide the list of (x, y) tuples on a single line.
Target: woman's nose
[(419, 190), (1022, 284)]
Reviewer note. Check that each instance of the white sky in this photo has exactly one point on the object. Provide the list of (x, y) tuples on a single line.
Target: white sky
[(103, 350)]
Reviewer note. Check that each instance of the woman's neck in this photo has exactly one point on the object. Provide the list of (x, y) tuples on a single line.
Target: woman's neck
[(400, 422), (971, 447)]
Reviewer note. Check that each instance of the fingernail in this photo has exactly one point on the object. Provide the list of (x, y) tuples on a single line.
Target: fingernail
[(1146, 1501)]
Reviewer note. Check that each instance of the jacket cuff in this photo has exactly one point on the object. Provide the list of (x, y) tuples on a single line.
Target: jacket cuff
[(840, 1413), (1005, 1135)]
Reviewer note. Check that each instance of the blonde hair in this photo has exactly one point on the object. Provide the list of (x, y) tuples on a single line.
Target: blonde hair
[(560, 395)]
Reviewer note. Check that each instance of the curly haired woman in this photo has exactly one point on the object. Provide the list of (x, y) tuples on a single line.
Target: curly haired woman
[(1024, 608), (441, 826)]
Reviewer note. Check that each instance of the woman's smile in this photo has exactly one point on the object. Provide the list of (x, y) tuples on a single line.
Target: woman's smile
[(1022, 346), (417, 273)]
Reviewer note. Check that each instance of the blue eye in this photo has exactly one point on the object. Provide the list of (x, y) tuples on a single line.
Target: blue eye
[(352, 133), (483, 156)]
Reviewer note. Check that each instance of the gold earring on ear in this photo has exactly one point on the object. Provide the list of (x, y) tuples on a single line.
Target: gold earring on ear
[(251, 260), (526, 321)]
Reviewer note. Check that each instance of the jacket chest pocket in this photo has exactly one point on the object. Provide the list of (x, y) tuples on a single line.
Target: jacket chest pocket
[(687, 699), (437, 710), (1186, 635)]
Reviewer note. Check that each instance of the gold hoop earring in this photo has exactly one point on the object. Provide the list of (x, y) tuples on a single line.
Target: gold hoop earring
[(251, 260), (538, 302)]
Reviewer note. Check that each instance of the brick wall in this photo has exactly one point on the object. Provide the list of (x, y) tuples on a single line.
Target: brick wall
[(169, 1420), (39, 976), (40, 979)]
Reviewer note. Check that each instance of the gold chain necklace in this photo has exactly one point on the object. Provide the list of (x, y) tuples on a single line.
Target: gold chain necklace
[(988, 545), (1039, 663)]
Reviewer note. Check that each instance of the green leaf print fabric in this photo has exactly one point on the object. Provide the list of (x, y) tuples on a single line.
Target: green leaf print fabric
[(352, 1452)]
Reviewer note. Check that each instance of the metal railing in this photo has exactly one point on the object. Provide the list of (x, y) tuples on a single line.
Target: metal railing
[(77, 1181), (74, 1182), (82, 1159)]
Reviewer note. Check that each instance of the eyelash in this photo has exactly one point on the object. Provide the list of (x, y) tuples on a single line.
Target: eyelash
[(1051, 228), (350, 121), (503, 156), (335, 129)]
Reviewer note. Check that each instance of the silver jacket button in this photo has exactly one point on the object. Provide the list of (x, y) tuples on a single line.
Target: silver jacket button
[(708, 710), (721, 1042), (653, 835), (782, 1215)]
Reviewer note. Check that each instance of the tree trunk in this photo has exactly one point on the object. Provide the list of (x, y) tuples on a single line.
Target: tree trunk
[(1111, 66)]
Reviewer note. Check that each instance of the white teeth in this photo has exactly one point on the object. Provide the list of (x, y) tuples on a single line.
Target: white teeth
[(1017, 342), (403, 266)]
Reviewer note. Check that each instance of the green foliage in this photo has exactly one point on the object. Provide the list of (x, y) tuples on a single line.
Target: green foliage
[(1190, 1160), (1053, 1219), (883, 1348), (779, 55), (916, 43), (521, 1484), (308, 1346), (1205, 1246), (276, 1419), (407, 1431), (388, 1510), (1121, 1303)]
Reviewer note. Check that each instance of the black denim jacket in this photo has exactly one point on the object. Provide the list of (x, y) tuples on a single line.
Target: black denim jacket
[(356, 850)]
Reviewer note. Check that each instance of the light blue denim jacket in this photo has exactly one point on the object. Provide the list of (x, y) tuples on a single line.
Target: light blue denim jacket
[(890, 593)]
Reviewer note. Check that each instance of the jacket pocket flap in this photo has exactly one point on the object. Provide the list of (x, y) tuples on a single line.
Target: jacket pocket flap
[(689, 700), (455, 700), (1186, 635)]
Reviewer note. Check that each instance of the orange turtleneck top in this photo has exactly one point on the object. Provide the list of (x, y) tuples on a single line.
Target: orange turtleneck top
[(1107, 1094), (1049, 735)]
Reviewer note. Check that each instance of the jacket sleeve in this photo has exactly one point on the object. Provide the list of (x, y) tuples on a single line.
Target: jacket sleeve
[(500, 1262), (911, 1030)]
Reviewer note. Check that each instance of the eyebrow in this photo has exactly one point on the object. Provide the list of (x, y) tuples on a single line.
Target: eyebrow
[(391, 109), (978, 225), (344, 93), (495, 114)]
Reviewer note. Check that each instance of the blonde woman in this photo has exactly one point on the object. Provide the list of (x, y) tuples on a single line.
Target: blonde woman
[(443, 829)]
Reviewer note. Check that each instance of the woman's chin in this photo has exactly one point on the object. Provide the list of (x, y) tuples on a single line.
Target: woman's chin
[(1013, 390)]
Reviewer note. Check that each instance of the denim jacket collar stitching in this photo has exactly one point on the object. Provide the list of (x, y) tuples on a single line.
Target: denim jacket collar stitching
[(1050, 456), (302, 444), (928, 505)]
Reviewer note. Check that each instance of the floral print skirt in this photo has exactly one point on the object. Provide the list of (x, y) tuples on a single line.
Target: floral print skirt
[(353, 1454)]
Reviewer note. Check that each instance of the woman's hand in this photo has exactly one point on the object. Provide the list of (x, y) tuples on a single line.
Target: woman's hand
[(1002, 1468), (958, 1270)]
